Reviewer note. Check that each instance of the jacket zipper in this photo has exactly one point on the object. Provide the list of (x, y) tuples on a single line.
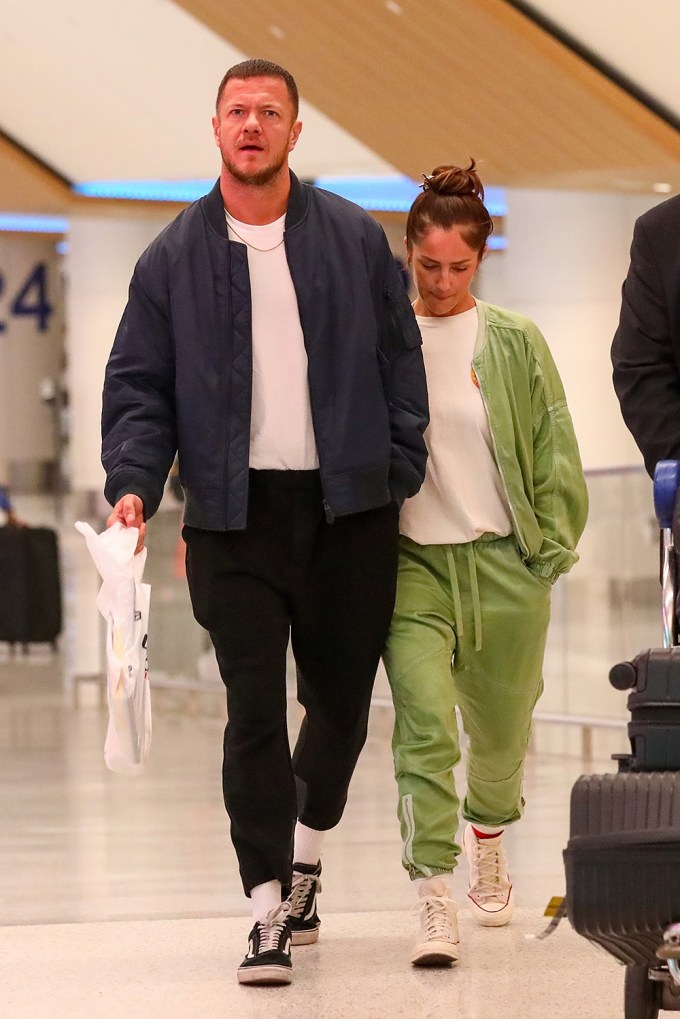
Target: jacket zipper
[(226, 435), (328, 512), (513, 517)]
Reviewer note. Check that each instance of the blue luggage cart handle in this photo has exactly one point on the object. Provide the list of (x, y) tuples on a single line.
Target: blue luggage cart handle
[(666, 484)]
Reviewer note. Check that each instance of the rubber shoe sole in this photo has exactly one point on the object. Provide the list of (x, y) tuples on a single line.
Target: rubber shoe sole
[(304, 937), (268, 975), (496, 918), (435, 953)]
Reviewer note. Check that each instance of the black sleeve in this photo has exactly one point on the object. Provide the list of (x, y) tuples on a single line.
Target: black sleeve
[(139, 435), (645, 368), (403, 371)]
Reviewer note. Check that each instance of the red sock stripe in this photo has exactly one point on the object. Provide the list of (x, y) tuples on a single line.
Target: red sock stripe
[(485, 835)]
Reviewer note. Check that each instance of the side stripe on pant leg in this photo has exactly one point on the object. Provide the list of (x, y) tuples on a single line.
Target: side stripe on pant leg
[(410, 825)]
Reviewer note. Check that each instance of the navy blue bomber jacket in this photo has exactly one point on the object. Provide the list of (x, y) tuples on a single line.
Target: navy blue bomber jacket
[(179, 377)]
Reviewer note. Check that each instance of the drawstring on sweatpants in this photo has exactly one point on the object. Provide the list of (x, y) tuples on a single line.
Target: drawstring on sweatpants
[(476, 605), (474, 590), (455, 590)]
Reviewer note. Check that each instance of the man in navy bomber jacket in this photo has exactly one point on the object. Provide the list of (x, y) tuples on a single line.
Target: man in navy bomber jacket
[(268, 340)]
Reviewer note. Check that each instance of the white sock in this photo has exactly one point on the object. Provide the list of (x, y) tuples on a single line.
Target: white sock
[(424, 885), (264, 898), (308, 842)]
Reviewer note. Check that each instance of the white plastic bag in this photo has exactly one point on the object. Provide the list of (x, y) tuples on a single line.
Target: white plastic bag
[(123, 601)]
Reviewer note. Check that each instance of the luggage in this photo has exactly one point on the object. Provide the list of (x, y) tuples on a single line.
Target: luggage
[(654, 705), (30, 604), (622, 861)]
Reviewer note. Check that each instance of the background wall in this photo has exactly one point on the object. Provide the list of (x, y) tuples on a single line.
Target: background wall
[(101, 257), (31, 355), (567, 256)]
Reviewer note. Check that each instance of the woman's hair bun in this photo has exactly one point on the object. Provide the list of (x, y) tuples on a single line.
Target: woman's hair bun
[(452, 196), (454, 180)]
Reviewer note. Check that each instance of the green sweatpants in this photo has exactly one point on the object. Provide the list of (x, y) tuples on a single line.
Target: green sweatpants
[(469, 629)]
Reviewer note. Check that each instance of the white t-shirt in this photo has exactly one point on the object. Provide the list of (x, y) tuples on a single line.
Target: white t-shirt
[(462, 495), (281, 431)]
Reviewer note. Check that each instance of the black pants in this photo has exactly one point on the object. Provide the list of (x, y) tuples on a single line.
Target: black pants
[(331, 588)]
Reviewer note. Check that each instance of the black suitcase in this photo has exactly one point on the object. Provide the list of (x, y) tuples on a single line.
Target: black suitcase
[(622, 861), (654, 705), (30, 602), (622, 867)]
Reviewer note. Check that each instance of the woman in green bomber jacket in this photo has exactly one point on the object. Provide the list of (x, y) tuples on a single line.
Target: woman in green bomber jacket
[(495, 524)]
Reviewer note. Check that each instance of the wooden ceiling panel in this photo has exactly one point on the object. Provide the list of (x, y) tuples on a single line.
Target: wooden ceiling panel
[(27, 186), (446, 79)]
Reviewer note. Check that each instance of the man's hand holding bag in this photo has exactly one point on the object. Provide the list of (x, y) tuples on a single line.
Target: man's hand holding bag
[(123, 601)]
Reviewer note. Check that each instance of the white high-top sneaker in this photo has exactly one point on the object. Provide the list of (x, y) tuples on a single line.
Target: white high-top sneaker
[(490, 896), (439, 941)]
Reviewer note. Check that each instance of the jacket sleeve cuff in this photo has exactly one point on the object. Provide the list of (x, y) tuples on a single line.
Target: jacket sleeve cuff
[(398, 493)]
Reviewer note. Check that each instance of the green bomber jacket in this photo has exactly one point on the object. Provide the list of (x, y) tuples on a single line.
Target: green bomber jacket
[(534, 441)]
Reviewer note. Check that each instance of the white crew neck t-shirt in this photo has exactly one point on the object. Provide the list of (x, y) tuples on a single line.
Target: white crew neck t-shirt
[(462, 496), (281, 431)]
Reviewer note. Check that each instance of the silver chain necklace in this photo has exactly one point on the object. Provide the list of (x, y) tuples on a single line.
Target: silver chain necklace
[(254, 246)]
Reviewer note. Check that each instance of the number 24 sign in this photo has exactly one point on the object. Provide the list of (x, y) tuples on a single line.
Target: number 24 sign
[(30, 300)]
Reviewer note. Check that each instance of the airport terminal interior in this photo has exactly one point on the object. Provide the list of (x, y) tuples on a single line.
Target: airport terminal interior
[(120, 896)]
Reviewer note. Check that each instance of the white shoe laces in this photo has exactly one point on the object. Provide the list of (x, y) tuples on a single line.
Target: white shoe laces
[(489, 878), (272, 927), (438, 918), (300, 890)]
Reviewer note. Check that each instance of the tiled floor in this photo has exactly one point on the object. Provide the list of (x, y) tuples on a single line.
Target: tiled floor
[(120, 897), (183, 968)]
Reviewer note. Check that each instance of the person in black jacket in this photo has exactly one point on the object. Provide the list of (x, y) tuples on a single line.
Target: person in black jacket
[(268, 341), (646, 346)]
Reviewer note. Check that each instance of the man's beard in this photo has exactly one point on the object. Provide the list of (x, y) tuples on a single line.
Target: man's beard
[(257, 178)]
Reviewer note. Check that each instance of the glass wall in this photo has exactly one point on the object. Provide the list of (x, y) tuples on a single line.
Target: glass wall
[(606, 610)]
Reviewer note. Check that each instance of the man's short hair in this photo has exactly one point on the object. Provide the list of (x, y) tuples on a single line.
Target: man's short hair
[(261, 69)]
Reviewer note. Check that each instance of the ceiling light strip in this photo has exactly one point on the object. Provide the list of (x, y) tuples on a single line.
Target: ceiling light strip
[(11, 222)]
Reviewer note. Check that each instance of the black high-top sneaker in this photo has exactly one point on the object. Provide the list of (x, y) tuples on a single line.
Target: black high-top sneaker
[(268, 959), (304, 919)]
